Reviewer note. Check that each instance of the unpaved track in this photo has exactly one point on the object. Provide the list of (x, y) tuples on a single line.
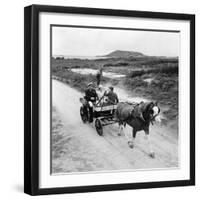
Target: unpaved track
[(80, 149)]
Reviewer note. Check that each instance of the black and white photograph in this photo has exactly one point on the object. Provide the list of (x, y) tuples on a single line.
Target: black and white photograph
[(109, 100), (114, 99)]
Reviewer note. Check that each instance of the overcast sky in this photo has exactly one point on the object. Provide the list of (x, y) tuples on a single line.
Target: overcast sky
[(92, 42)]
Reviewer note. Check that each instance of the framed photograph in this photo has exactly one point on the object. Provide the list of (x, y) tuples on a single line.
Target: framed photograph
[(109, 99)]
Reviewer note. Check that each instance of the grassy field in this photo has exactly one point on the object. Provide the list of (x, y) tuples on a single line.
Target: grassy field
[(154, 78), (114, 63)]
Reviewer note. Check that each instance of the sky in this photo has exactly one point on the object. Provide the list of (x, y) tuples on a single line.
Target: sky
[(92, 42)]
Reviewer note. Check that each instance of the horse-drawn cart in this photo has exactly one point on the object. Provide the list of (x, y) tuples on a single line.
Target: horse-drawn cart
[(102, 114)]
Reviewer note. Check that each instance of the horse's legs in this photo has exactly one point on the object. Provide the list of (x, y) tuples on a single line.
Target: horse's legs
[(131, 142), (148, 138), (121, 129)]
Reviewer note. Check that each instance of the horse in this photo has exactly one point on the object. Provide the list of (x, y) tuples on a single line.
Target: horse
[(138, 116)]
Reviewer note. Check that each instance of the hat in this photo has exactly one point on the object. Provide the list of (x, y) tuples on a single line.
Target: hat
[(111, 87), (90, 84)]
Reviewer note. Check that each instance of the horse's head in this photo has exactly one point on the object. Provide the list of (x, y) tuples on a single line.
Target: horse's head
[(151, 112)]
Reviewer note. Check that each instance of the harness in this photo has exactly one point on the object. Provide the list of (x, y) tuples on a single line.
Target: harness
[(134, 104)]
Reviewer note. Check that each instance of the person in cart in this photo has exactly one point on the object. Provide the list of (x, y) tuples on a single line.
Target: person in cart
[(112, 96), (100, 92), (91, 98)]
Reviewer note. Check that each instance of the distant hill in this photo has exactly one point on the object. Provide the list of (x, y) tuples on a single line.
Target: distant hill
[(124, 54)]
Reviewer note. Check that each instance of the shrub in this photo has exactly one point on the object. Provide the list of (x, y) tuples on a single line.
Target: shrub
[(165, 70), (118, 64)]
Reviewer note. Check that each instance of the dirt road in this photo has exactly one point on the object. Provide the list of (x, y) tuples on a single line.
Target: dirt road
[(76, 147)]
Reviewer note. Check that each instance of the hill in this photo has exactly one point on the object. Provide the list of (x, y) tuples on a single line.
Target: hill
[(124, 54)]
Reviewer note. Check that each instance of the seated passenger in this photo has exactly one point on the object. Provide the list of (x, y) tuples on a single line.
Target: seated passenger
[(100, 92), (101, 95), (112, 96)]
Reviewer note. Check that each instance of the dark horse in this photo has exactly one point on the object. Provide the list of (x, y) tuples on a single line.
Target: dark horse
[(138, 116)]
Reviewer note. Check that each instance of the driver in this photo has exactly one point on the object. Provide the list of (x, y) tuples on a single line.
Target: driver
[(91, 98), (90, 93)]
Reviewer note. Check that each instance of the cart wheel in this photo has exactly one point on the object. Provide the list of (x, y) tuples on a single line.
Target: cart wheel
[(99, 127), (83, 115)]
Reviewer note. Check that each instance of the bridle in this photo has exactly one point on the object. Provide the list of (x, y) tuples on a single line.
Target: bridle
[(153, 118)]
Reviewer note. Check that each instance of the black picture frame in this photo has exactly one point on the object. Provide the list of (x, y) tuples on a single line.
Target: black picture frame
[(31, 98)]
